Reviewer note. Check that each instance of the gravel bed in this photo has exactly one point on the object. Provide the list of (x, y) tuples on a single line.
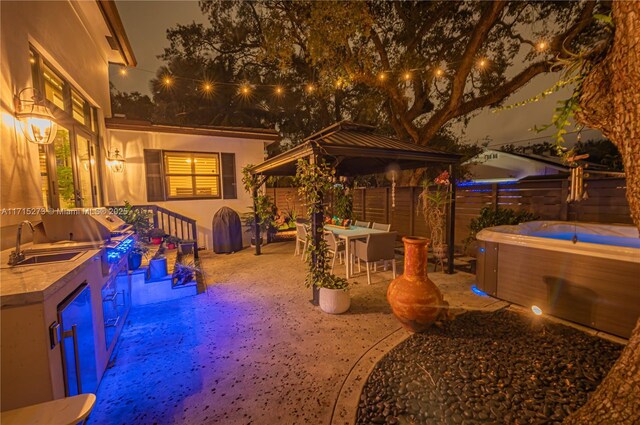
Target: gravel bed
[(500, 367)]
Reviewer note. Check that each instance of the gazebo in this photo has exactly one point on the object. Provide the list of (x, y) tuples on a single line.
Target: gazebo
[(355, 149)]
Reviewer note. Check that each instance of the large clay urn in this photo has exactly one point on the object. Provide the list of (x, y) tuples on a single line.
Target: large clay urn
[(415, 300)]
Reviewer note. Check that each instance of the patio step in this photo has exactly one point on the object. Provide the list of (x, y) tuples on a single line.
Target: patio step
[(145, 292)]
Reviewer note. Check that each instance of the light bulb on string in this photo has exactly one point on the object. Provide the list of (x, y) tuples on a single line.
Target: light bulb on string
[(382, 77), (542, 45), (406, 76), (482, 63), (279, 91), (438, 72), (310, 88), (123, 71), (167, 80), (207, 87), (245, 90)]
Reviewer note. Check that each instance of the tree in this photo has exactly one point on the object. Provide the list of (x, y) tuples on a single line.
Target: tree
[(134, 105), (610, 101), (424, 63)]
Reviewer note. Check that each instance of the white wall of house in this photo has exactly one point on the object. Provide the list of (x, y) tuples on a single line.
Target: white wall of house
[(69, 35), (131, 184)]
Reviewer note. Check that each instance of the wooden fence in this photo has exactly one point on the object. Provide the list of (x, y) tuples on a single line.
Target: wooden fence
[(546, 198)]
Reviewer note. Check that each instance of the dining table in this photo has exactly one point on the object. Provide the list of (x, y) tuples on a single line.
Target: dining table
[(349, 235)]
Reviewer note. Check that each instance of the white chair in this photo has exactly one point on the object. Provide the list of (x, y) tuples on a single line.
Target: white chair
[(62, 411), (366, 224), (378, 247), (381, 226), (302, 237), (335, 247)]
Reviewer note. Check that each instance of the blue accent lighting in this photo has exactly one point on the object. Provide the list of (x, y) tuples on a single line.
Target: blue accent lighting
[(478, 291)]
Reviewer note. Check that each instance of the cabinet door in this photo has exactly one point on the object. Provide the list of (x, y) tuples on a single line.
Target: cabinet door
[(78, 342)]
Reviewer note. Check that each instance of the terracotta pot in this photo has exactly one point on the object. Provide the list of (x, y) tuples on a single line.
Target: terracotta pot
[(415, 300)]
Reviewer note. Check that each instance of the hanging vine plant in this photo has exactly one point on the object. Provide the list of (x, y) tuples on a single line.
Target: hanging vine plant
[(314, 181), (434, 199), (262, 206)]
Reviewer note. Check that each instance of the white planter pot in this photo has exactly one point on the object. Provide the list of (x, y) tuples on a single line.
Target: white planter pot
[(334, 301)]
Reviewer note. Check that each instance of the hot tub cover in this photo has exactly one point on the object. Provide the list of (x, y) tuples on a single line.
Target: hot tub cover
[(227, 231)]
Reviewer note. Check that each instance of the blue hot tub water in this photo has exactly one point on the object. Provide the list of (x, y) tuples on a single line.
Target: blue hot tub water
[(592, 238)]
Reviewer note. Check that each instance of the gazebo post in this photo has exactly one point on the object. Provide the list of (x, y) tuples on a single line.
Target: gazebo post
[(451, 230), (316, 234), (256, 225)]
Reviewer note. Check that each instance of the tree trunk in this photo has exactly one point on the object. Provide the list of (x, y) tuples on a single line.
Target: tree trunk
[(610, 101)]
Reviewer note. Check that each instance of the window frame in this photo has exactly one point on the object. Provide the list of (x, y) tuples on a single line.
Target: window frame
[(64, 118), (193, 175)]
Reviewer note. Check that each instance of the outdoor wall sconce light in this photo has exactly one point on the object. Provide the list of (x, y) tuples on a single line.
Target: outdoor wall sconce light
[(115, 162), (36, 120)]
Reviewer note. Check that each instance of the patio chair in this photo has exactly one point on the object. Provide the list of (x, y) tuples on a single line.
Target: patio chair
[(381, 226), (366, 224), (335, 247), (302, 235), (378, 246)]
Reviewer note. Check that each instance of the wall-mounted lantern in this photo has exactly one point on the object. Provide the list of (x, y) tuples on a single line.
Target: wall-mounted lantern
[(115, 161), (36, 120)]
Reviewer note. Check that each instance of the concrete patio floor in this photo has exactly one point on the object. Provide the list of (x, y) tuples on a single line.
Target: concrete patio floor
[(252, 349)]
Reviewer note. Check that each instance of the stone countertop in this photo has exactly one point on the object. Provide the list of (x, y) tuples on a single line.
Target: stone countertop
[(29, 284)]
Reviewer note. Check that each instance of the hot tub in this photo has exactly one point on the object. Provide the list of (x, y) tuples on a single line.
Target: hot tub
[(582, 272)]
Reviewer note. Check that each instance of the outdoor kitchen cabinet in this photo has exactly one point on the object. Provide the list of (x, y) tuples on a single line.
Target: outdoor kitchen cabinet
[(31, 362)]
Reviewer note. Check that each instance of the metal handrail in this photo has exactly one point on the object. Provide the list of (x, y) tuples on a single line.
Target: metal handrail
[(172, 223)]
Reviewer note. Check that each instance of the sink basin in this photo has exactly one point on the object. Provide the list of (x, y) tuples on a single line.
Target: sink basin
[(50, 258)]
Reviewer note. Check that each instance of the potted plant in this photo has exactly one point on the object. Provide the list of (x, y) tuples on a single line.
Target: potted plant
[(135, 255), (138, 218), (172, 241), (156, 235), (434, 206), (315, 180), (334, 294), (183, 273)]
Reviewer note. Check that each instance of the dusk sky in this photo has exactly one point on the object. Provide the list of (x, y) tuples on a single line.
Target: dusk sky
[(146, 23)]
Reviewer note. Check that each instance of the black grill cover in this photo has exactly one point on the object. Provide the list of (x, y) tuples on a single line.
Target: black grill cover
[(227, 231)]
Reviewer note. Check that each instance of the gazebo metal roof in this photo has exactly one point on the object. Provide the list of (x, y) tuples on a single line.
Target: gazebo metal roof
[(355, 149)]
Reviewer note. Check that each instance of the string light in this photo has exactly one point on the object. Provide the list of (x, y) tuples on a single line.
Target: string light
[(541, 45), (245, 90)]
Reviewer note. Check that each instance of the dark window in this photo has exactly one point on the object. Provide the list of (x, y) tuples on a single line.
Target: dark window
[(229, 190)]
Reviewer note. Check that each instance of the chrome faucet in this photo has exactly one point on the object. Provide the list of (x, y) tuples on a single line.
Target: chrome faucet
[(16, 256)]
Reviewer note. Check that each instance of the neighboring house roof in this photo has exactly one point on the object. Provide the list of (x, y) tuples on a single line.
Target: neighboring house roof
[(355, 149), (554, 160), (264, 134), (500, 165), (119, 40)]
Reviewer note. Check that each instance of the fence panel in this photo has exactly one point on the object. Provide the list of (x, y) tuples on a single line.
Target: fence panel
[(545, 198)]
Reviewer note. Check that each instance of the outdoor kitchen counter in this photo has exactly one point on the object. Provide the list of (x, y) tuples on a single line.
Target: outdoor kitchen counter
[(30, 284)]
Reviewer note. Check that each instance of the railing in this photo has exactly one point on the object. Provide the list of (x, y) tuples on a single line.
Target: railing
[(173, 224)]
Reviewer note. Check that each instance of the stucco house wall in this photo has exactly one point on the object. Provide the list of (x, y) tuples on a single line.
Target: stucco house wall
[(131, 184), (70, 36)]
